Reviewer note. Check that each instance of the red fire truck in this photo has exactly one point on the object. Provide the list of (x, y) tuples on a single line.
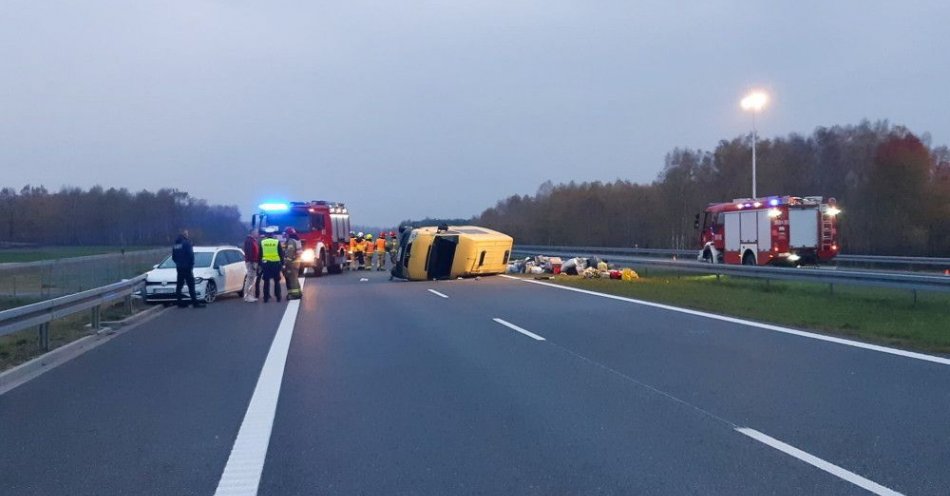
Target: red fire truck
[(788, 230), (324, 229)]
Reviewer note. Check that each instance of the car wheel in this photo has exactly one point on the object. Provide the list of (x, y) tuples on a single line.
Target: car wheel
[(211, 292)]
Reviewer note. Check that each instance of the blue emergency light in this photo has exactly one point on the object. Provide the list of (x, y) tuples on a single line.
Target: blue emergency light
[(274, 207)]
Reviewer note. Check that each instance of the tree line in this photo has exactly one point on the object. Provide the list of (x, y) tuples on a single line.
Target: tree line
[(892, 186), (97, 216)]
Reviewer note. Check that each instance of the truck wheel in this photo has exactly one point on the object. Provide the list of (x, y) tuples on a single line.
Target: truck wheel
[(334, 269), (707, 257), (320, 264), (748, 259)]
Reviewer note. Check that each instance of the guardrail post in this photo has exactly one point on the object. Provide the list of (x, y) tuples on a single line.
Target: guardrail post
[(44, 336), (94, 320), (831, 288), (128, 304), (915, 296)]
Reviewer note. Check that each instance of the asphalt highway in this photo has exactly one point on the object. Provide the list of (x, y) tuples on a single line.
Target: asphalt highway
[(491, 386)]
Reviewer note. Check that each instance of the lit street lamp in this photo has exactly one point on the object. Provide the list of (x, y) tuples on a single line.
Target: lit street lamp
[(754, 101)]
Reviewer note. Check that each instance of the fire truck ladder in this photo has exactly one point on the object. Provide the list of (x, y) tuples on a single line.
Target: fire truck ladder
[(827, 232)]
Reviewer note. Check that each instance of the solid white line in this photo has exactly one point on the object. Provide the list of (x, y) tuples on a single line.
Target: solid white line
[(437, 293), (770, 327), (814, 461), (516, 328), (242, 474)]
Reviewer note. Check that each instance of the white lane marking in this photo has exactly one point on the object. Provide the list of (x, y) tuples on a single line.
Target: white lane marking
[(770, 327), (242, 474), (814, 461), (519, 329), (437, 293)]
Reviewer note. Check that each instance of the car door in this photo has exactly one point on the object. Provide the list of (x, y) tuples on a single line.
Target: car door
[(220, 268), (236, 269)]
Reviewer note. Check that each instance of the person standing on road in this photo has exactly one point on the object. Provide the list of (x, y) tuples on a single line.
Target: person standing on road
[(381, 251), (292, 248), (392, 247), (183, 254), (358, 252), (272, 258), (252, 252), (369, 248)]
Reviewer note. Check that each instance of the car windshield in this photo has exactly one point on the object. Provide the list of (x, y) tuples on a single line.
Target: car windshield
[(300, 222), (202, 259)]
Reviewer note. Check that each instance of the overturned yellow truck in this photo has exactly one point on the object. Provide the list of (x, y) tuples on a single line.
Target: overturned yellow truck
[(448, 252)]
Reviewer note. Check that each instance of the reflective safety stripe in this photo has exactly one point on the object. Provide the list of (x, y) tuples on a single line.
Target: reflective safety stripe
[(269, 251)]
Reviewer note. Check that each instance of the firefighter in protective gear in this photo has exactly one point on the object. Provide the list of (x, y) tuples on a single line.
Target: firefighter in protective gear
[(292, 249), (358, 252), (351, 252), (370, 248), (272, 258), (381, 252), (392, 247)]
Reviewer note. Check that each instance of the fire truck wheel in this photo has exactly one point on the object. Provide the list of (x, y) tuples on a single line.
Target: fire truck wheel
[(319, 264), (334, 269), (748, 258), (707, 256)]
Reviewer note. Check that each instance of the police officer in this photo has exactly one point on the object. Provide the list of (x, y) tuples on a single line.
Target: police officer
[(272, 259), (292, 248), (183, 254)]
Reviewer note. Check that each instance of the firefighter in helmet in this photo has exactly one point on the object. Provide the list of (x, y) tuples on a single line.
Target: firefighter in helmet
[(292, 249), (370, 248), (381, 251), (358, 252), (351, 252), (392, 246)]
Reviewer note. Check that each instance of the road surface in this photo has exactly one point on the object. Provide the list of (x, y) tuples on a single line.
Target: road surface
[(491, 386)]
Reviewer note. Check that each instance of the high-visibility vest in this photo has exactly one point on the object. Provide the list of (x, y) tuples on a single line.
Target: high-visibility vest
[(368, 246), (381, 244), (269, 251), (358, 247), (352, 245)]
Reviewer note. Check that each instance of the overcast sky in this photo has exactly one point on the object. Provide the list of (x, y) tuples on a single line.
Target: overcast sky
[(411, 109)]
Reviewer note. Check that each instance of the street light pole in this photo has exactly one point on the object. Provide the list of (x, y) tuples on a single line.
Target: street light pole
[(754, 138), (754, 101)]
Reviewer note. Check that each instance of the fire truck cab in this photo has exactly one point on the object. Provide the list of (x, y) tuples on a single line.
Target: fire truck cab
[(779, 230), (323, 228)]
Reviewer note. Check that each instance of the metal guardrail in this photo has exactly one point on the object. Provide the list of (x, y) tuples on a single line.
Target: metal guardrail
[(888, 260), (44, 279), (692, 253), (42, 313), (894, 280)]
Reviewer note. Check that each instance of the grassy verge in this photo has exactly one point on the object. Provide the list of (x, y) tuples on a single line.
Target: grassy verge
[(877, 315), (22, 346), (8, 255)]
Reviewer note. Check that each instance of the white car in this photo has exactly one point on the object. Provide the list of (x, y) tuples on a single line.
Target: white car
[(218, 270)]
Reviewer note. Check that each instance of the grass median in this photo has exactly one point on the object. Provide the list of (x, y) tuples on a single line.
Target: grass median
[(17, 255), (882, 316)]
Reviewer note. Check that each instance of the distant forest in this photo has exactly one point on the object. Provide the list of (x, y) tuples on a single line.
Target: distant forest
[(98, 216), (892, 186)]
